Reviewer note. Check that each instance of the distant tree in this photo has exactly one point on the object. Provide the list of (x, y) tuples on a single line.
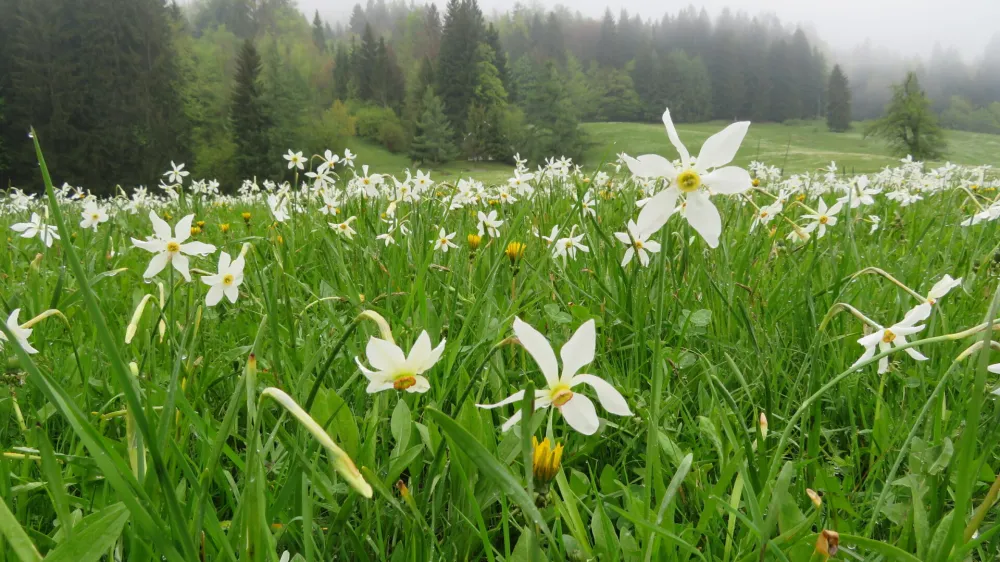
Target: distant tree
[(249, 117), (484, 125), (456, 67), (366, 66), (433, 142), (909, 125), (492, 39), (389, 85), (341, 73), (318, 33), (358, 20), (838, 106), (687, 88)]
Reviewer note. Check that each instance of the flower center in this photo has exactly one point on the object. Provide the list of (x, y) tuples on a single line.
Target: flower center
[(94, 216), (637, 244), (561, 394), (228, 279), (404, 382), (763, 214), (688, 181), (888, 336), (823, 219), (569, 243), (173, 247)]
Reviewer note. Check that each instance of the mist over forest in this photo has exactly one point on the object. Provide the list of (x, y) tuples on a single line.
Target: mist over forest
[(121, 88)]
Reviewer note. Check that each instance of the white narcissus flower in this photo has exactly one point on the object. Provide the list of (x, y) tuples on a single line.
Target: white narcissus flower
[(765, 214), (697, 179), (177, 173), (35, 227), (20, 334), (171, 248), (895, 335), (823, 218), (344, 228), (398, 371), (349, 157), (876, 222), (93, 215), (226, 282), (639, 243), (489, 223), (443, 241), (329, 162), (578, 410), (942, 288), (295, 160), (567, 247), (279, 206)]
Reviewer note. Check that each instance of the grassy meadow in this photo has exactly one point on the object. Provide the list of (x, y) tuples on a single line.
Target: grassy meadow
[(155, 424), (799, 147)]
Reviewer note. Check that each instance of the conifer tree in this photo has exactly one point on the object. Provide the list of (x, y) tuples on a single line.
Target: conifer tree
[(366, 67), (909, 125), (485, 137), (318, 33), (249, 117), (433, 142), (838, 108), (341, 73), (456, 72)]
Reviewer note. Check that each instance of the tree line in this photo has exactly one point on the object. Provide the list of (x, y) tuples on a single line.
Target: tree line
[(118, 88)]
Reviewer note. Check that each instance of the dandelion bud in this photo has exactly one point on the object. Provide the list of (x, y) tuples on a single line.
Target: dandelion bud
[(763, 425), (201, 224), (246, 218), (474, 241), (195, 230), (545, 461), (515, 251), (827, 543), (814, 497), (224, 227), (756, 182)]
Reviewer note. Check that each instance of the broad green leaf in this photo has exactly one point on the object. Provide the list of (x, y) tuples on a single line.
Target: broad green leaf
[(16, 537), (92, 537)]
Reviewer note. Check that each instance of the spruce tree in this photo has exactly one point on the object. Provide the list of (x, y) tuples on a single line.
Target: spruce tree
[(485, 137), (432, 142), (366, 67), (909, 125), (838, 95), (318, 33), (249, 117), (456, 72), (341, 73)]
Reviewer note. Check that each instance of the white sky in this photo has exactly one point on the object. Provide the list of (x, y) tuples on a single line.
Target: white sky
[(909, 27)]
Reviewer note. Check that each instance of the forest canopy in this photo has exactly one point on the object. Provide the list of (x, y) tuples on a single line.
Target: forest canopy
[(119, 88)]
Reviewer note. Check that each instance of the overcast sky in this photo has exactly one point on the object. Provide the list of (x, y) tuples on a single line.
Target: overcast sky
[(909, 27)]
